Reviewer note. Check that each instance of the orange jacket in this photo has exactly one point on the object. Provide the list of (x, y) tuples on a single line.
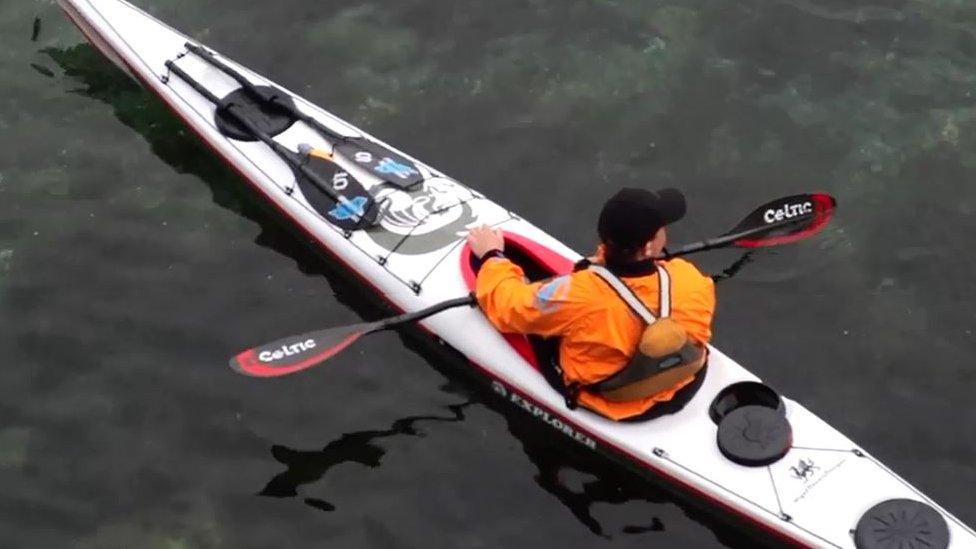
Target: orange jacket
[(599, 331)]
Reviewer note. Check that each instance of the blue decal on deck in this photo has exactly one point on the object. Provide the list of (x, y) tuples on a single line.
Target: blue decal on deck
[(550, 296), (388, 165), (349, 209)]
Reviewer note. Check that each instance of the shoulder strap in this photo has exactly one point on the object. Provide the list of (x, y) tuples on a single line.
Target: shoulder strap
[(631, 299), (664, 291)]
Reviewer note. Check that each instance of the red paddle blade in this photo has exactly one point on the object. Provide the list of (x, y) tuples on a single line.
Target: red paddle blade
[(292, 354), (785, 220)]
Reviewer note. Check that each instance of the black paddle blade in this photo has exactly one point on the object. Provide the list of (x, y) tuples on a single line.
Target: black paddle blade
[(785, 220), (381, 162), (292, 354), (350, 206)]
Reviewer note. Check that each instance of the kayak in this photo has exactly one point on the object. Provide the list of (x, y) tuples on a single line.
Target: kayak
[(399, 225)]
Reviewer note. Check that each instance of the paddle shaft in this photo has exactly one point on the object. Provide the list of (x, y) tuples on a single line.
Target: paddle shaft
[(285, 154), (707, 244), (470, 300), (728, 239), (407, 318)]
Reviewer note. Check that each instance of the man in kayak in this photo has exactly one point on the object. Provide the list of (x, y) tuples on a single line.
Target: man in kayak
[(632, 327)]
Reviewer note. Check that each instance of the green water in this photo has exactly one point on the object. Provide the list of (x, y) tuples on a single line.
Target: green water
[(132, 263)]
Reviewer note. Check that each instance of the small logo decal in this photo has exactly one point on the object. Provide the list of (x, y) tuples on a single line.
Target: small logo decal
[(553, 421), (549, 297), (804, 470), (390, 166), (788, 211), (349, 209), (286, 351)]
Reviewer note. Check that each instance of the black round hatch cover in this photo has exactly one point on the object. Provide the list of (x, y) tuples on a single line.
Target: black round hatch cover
[(901, 523), (268, 118), (744, 393), (754, 436)]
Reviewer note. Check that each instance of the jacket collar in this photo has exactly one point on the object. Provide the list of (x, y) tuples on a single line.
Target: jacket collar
[(633, 269)]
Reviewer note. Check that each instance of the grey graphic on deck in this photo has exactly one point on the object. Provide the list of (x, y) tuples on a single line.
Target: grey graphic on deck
[(431, 216)]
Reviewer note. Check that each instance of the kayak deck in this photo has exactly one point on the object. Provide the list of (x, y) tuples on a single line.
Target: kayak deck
[(415, 257)]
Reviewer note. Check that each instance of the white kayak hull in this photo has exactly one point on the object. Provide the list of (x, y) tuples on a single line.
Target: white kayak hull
[(414, 260)]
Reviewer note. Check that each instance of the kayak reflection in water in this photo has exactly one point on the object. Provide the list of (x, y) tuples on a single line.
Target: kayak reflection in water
[(629, 328)]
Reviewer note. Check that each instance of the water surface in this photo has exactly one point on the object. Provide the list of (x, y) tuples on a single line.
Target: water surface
[(132, 263)]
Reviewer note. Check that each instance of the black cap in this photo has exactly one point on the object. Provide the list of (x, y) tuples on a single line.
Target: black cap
[(632, 217)]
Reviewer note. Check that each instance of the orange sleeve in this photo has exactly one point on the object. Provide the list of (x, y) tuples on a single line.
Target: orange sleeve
[(694, 307), (513, 305)]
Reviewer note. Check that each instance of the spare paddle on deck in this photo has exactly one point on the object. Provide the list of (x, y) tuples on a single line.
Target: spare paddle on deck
[(295, 353), (779, 222), (389, 166), (355, 207)]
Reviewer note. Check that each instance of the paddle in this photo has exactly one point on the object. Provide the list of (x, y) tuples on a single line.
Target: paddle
[(359, 211), (295, 353), (778, 222), (389, 166), (781, 221)]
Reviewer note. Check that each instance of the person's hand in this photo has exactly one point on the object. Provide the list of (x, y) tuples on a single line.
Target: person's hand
[(484, 239)]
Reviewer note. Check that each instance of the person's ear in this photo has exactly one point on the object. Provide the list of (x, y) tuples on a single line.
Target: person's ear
[(655, 245), (649, 246)]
